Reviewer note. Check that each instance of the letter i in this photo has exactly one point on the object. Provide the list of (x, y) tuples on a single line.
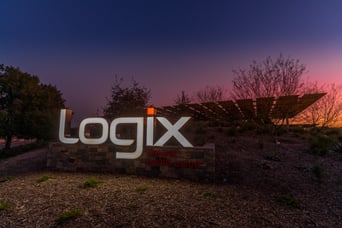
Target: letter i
[(149, 131)]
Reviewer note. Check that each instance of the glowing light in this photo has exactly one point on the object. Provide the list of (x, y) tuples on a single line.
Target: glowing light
[(151, 111)]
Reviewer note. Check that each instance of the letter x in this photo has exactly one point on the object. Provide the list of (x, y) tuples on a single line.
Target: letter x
[(172, 130)]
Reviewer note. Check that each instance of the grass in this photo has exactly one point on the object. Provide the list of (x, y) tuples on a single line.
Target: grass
[(141, 189), (68, 215), (210, 194), (91, 183), (5, 206), (44, 178), (287, 200), (8, 178)]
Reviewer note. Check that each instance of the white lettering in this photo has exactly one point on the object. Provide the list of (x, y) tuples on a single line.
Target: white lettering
[(149, 131), (93, 141), (62, 137), (127, 142), (172, 130)]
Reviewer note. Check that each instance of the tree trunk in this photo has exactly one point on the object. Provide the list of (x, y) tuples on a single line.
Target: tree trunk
[(8, 141)]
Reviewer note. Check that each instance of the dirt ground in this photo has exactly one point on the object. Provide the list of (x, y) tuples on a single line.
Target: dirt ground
[(272, 186)]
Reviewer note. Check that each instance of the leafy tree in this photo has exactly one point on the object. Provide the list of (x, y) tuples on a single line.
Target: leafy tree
[(210, 93), (271, 78), (28, 109), (182, 99), (126, 100)]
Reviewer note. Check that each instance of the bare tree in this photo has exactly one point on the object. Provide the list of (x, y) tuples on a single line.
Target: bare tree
[(328, 109), (182, 99), (210, 93), (271, 78)]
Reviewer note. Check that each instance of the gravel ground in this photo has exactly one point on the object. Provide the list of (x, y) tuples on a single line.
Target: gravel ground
[(128, 201), (269, 187)]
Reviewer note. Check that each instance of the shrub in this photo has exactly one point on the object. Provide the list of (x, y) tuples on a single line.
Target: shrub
[(333, 132), (339, 138), (8, 178), (70, 214), (337, 148), (287, 200), (297, 129), (91, 183), (5, 206), (141, 189), (320, 144), (210, 194), (44, 178), (248, 126)]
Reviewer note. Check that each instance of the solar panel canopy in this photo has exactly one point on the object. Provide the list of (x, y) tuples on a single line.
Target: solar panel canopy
[(261, 109)]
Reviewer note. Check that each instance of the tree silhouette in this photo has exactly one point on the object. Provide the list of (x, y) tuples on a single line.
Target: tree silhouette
[(210, 94), (126, 100), (182, 99), (28, 109), (271, 78), (328, 109)]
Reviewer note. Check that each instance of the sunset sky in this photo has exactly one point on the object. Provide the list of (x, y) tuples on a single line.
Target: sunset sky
[(167, 46)]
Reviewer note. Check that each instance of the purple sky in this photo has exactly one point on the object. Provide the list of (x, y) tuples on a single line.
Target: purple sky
[(167, 46)]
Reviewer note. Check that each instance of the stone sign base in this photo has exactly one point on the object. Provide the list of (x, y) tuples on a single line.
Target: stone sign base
[(197, 163)]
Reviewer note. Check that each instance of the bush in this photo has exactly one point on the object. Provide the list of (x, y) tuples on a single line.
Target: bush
[(337, 148), (248, 126), (320, 144), (44, 178), (141, 189), (4, 206), (91, 183), (67, 215), (297, 129), (333, 132), (287, 200), (8, 178), (210, 194)]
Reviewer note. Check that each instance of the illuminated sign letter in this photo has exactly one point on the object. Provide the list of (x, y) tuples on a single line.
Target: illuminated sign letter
[(127, 142), (172, 130), (62, 137), (100, 140), (149, 131)]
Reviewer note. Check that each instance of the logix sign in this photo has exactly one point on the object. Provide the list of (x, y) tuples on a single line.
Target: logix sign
[(172, 130)]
